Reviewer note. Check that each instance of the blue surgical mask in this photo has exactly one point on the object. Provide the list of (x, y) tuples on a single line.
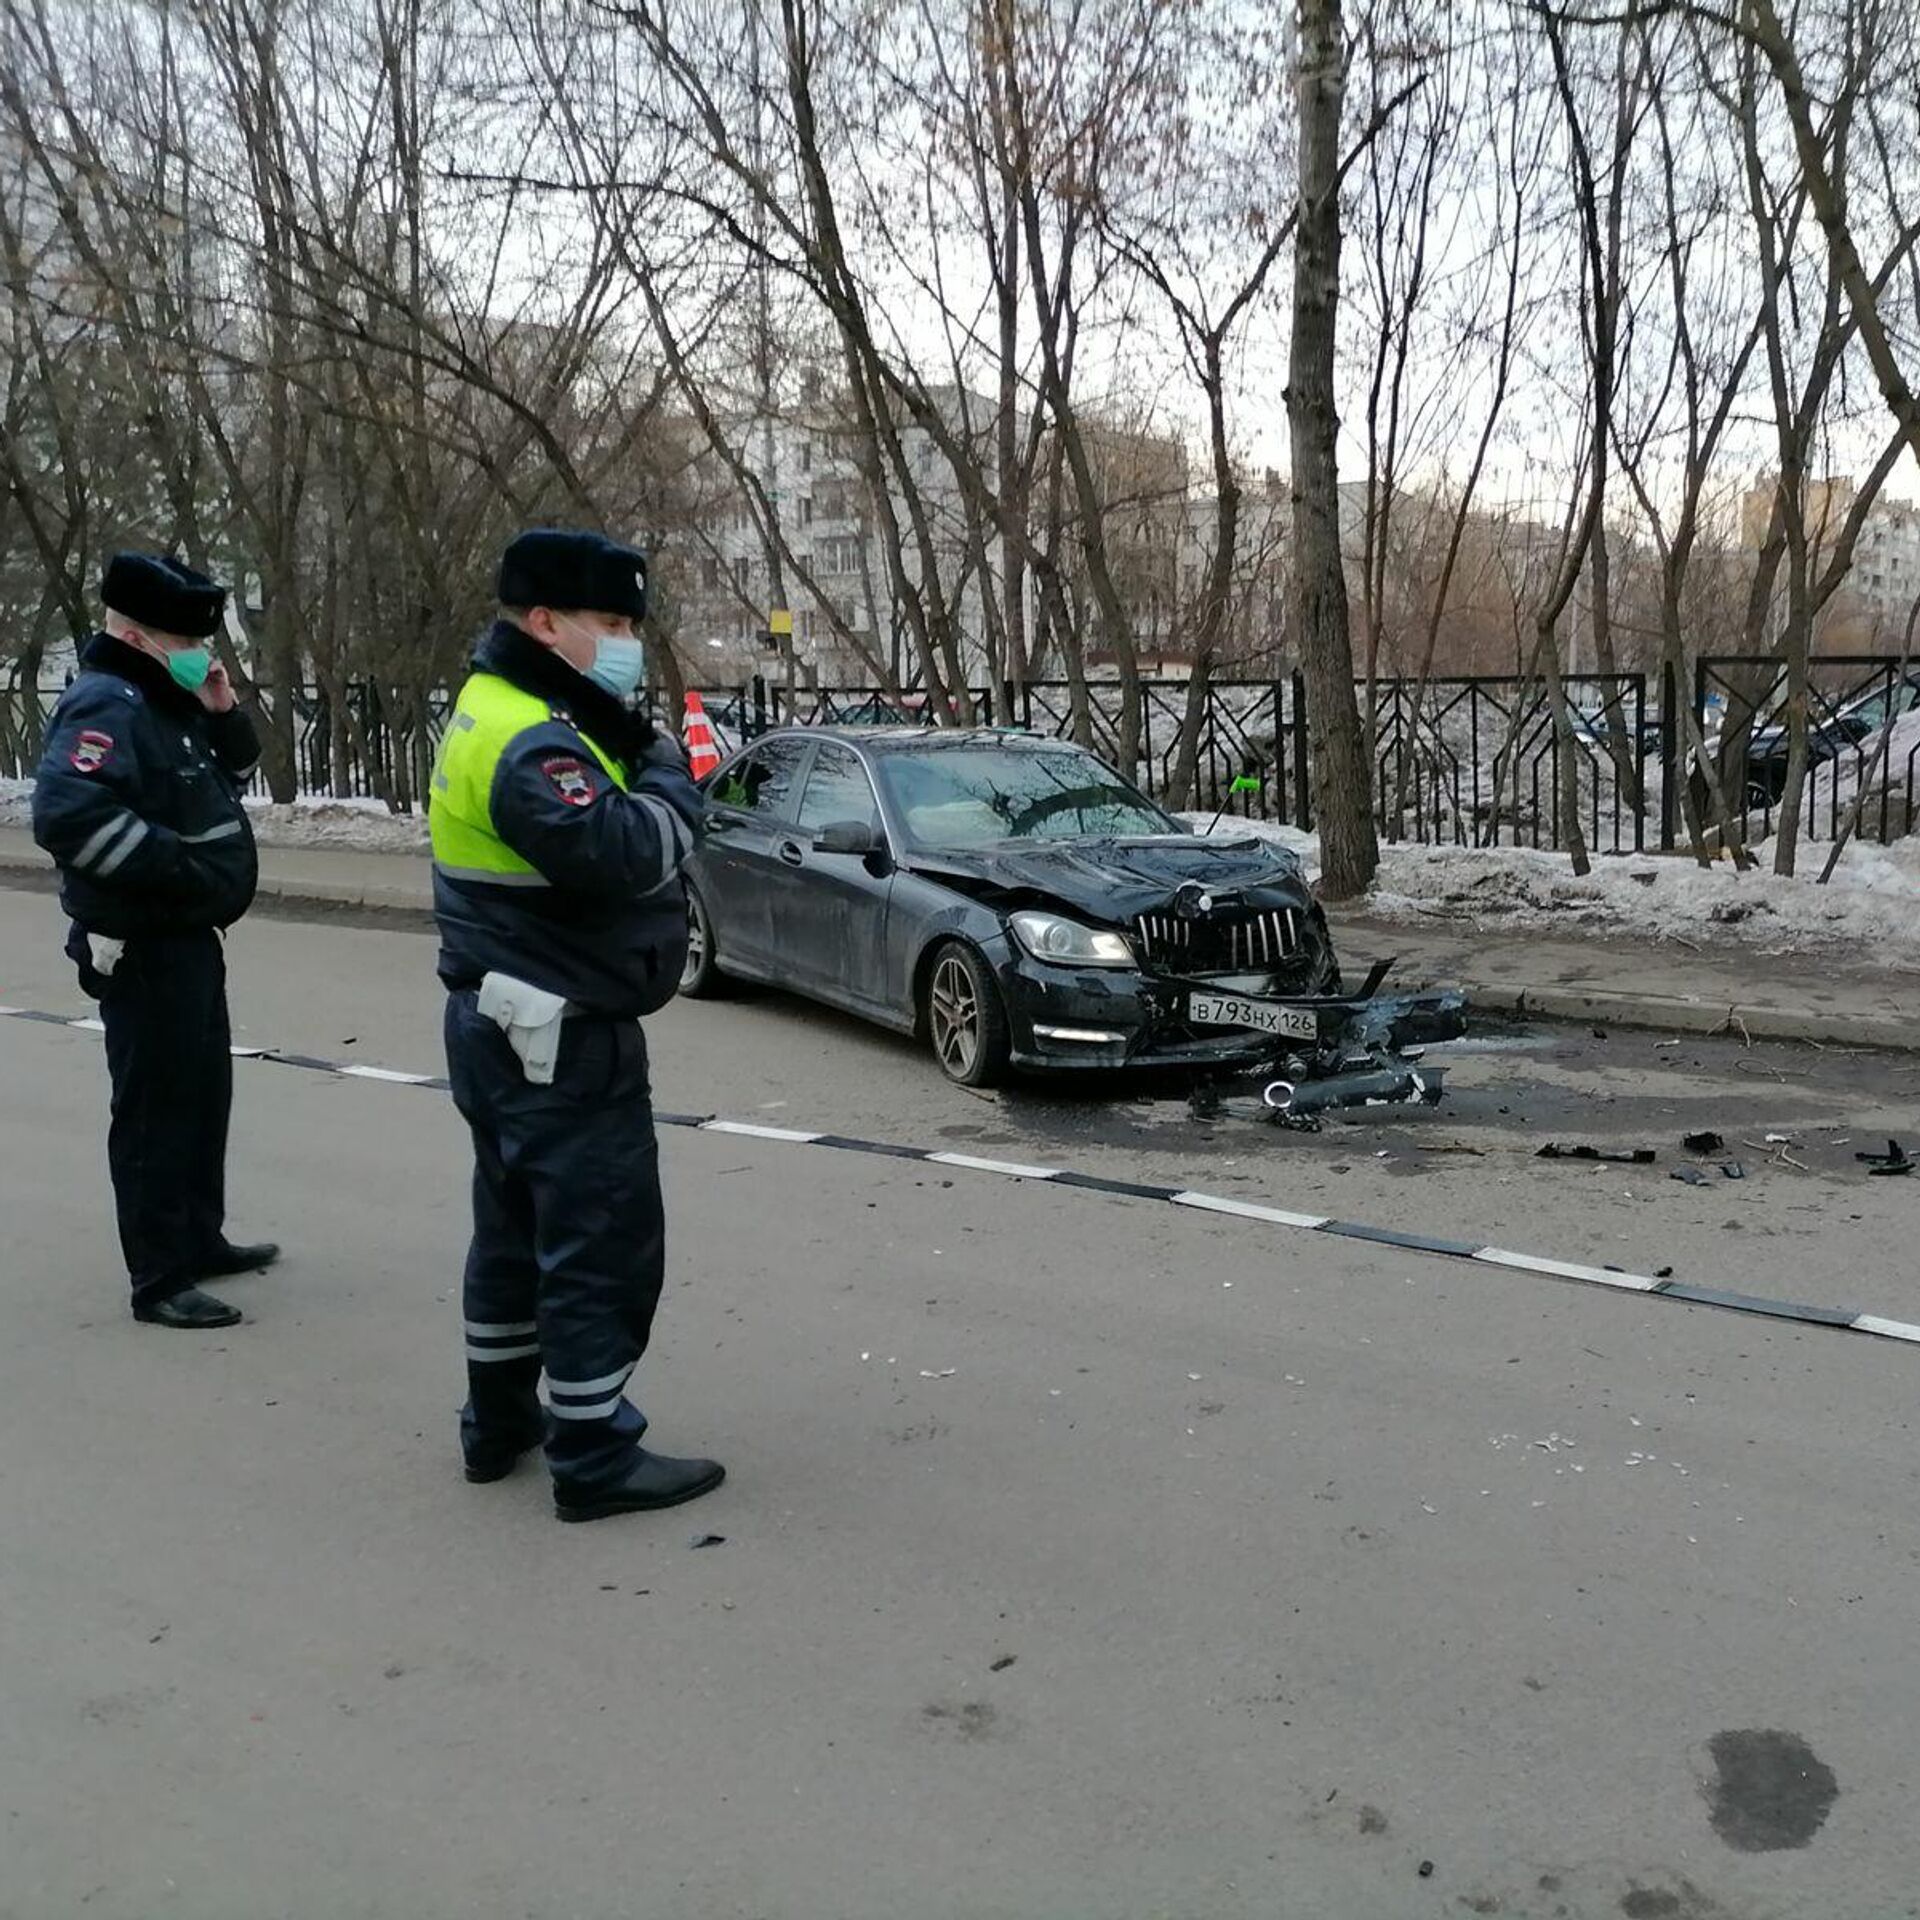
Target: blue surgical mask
[(618, 664)]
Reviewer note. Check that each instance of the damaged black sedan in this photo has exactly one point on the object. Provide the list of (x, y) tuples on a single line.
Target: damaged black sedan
[(1010, 899)]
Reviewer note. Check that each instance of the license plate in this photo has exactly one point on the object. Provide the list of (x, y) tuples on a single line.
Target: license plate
[(1263, 1016)]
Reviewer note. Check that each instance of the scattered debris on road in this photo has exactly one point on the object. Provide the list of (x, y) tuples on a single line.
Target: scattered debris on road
[(708, 1540), (1895, 1160), (1622, 1157), (1365, 1049), (1706, 1142)]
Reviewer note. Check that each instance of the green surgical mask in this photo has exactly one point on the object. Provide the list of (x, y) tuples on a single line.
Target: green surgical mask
[(191, 667)]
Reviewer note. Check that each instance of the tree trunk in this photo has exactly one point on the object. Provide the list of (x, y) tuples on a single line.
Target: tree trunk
[(1342, 783), (1011, 479)]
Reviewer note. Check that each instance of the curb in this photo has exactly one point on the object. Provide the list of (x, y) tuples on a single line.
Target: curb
[(375, 898), (1657, 1013), (324, 893), (1706, 1019)]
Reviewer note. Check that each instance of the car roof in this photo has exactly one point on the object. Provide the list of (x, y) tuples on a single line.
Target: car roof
[(895, 739)]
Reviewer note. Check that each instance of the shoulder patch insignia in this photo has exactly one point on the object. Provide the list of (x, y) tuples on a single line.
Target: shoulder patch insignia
[(570, 779), (90, 751)]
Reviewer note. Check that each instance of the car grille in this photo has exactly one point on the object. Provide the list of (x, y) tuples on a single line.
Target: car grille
[(1240, 944)]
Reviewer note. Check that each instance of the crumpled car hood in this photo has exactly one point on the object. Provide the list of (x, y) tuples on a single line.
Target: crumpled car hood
[(1116, 879)]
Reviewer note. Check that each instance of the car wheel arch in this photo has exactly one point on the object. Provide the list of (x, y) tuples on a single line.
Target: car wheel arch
[(936, 942)]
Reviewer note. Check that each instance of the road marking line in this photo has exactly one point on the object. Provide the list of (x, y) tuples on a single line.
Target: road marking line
[(1011, 1169), (1681, 1292), (1886, 1329), (1569, 1270), (1250, 1210), (752, 1132)]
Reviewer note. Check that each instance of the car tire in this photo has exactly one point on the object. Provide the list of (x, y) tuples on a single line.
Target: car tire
[(965, 1019), (700, 976)]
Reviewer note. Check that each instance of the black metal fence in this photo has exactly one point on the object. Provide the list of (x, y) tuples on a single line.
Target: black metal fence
[(1476, 761), (1243, 727), (1863, 741), (1464, 761)]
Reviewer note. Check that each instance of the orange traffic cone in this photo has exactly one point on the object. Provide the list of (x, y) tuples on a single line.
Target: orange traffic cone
[(702, 754)]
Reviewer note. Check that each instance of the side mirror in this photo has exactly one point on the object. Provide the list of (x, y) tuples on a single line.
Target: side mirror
[(859, 838)]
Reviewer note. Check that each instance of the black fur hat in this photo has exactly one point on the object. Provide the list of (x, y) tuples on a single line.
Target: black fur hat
[(553, 567), (154, 590)]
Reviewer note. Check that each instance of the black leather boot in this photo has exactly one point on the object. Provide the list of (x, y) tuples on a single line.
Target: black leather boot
[(492, 1456), (652, 1482), (227, 1259), (190, 1310)]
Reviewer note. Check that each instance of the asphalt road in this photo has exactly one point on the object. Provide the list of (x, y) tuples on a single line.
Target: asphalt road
[(1082, 1557)]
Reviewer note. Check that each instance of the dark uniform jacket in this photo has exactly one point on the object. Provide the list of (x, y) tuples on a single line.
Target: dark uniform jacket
[(138, 799), (602, 916)]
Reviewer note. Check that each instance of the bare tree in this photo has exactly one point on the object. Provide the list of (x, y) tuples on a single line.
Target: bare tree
[(1343, 785)]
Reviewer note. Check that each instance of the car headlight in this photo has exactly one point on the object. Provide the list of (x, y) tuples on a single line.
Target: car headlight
[(1066, 943)]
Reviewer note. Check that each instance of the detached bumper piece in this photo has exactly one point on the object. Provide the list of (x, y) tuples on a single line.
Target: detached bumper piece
[(1369, 1051)]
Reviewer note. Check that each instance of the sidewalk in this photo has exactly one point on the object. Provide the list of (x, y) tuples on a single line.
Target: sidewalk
[(1622, 982), (380, 882), (1632, 983)]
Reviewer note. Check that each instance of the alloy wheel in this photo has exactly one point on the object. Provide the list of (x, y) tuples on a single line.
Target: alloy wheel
[(955, 1010)]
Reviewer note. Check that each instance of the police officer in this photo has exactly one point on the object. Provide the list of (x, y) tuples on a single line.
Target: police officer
[(560, 823), (138, 800)]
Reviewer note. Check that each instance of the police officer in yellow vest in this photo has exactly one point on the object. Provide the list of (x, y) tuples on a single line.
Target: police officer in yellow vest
[(560, 823)]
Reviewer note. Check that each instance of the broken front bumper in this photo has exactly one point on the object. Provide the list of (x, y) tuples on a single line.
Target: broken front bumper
[(1349, 1050), (1108, 1017), (1096, 1017)]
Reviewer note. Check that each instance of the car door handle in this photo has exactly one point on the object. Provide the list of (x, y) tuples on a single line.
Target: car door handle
[(790, 853), (722, 823)]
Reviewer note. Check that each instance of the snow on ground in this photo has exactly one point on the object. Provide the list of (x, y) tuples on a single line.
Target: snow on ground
[(346, 825), (1888, 766), (1871, 906)]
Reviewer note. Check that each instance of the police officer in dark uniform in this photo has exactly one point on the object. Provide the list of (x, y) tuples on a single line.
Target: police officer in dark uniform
[(138, 800), (560, 823)]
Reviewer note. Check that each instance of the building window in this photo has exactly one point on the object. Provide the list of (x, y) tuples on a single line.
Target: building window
[(839, 556), (806, 456), (710, 573)]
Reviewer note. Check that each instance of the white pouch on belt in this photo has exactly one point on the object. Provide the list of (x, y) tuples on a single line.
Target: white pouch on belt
[(531, 1020), (104, 953)]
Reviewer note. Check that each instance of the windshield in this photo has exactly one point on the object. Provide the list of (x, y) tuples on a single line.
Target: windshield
[(1872, 711), (949, 798)]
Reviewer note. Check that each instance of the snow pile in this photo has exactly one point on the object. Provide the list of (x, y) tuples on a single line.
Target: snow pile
[(357, 826), (1871, 906), (1891, 770)]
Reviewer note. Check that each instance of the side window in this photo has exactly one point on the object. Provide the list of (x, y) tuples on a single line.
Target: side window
[(762, 782), (837, 790)]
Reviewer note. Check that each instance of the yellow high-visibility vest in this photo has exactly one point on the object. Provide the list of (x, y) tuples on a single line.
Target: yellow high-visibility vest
[(489, 716)]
